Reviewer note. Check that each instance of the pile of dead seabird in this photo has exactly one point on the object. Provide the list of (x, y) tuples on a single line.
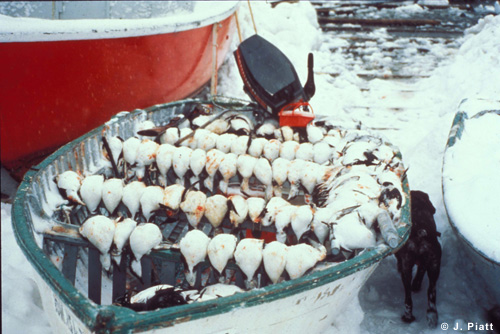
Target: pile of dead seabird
[(324, 193)]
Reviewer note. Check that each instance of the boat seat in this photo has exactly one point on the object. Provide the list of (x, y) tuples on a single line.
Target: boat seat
[(66, 239), (162, 266)]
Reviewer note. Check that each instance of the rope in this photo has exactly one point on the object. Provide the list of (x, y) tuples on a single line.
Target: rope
[(251, 14), (238, 25), (213, 81)]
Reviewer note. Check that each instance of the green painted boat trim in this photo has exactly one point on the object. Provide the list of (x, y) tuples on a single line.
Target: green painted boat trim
[(457, 128), (107, 319)]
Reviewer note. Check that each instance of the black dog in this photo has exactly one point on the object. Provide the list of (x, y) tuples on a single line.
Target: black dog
[(424, 250), (493, 317)]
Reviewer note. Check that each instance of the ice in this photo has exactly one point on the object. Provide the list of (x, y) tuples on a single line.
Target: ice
[(405, 11), (421, 134), (433, 2)]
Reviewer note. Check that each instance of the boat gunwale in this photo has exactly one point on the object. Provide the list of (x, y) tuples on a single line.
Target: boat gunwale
[(56, 30), (120, 319), (455, 134)]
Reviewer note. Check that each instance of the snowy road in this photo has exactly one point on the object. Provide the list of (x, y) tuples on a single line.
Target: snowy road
[(420, 130)]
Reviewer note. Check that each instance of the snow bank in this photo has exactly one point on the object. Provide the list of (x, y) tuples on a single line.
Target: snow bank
[(293, 28), (475, 70), (21, 305), (471, 183)]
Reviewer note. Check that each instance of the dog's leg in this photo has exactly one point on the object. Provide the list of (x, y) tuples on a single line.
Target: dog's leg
[(433, 268), (432, 315), (417, 280), (406, 266)]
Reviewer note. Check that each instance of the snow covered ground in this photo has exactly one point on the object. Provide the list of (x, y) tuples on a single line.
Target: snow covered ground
[(420, 130)]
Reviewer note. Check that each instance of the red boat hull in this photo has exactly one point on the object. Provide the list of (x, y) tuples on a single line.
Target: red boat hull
[(54, 91)]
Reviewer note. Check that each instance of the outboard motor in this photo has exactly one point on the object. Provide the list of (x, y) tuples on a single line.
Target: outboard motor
[(271, 80)]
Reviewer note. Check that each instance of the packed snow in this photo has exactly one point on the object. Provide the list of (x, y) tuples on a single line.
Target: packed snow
[(420, 131)]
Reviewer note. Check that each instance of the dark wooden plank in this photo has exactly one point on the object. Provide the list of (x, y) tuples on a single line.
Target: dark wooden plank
[(177, 231), (167, 230), (239, 280), (69, 262), (378, 22), (264, 278), (351, 29), (444, 33), (360, 3), (385, 5), (198, 272), (167, 272), (120, 277), (368, 76), (95, 278), (212, 278), (147, 265)]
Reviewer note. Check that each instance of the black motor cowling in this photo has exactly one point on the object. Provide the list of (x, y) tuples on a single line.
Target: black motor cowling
[(269, 77)]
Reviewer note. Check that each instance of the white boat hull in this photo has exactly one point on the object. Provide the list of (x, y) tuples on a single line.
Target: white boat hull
[(61, 318), (482, 262), (324, 309)]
